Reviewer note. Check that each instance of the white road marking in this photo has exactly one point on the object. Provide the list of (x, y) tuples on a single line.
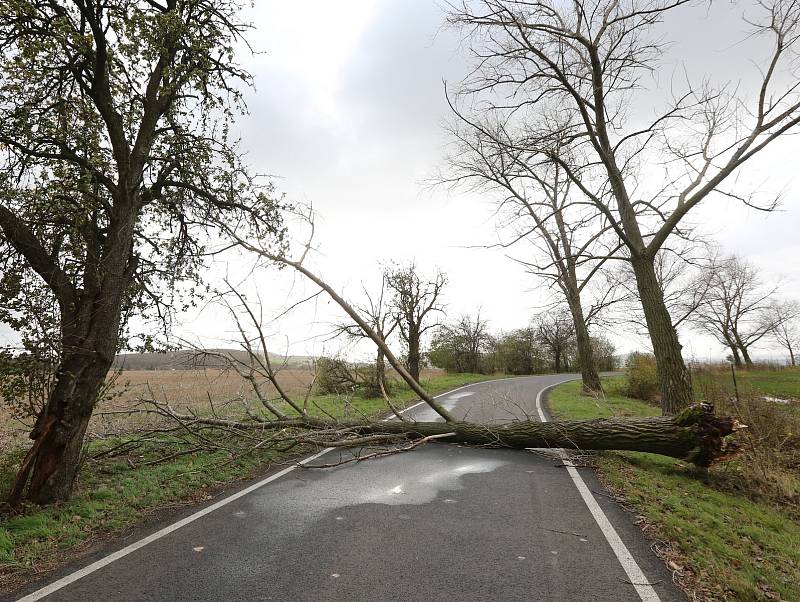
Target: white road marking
[(629, 565), (106, 560)]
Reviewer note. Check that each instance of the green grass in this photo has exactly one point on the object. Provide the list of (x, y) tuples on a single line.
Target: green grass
[(784, 383), (566, 401), (110, 496), (733, 547)]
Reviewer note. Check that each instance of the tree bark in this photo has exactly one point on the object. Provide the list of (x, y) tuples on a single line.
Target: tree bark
[(746, 355), (380, 372), (695, 435), (674, 379), (90, 325), (60, 429), (737, 360), (413, 355), (589, 377)]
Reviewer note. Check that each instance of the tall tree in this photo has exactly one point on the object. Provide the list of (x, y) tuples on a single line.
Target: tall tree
[(116, 166), (736, 309), (377, 311), (589, 62), (460, 346), (785, 320), (556, 332), (539, 205), (416, 299)]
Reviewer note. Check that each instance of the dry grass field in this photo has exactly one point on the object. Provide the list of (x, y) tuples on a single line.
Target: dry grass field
[(184, 390)]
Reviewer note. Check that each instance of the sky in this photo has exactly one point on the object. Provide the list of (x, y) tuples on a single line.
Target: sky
[(347, 114)]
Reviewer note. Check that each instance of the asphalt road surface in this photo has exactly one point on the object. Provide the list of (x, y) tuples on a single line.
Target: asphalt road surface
[(439, 523)]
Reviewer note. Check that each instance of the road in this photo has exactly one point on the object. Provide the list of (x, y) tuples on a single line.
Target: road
[(439, 523)]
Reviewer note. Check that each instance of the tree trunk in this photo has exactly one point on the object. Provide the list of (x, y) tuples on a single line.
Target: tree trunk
[(746, 355), (737, 360), (695, 435), (413, 356), (589, 376), (54, 458), (674, 379), (791, 355), (380, 373), (90, 334)]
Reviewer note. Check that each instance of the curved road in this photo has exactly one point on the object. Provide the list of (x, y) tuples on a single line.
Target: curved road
[(440, 523)]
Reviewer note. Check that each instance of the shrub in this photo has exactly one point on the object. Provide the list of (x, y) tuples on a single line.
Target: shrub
[(641, 381), (334, 376)]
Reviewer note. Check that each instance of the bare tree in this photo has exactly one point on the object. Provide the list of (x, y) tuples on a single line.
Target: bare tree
[(587, 62), (571, 242), (678, 270), (378, 313), (736, 309), (415, 300), (556, 331), (785, 320)]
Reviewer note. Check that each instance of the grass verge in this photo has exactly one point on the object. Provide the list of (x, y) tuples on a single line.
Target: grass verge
[(114, 494), (781, 383), (726, 538)]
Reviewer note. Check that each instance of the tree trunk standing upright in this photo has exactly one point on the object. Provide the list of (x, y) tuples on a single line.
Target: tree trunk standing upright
[(414, 357), (90, 319), (737, 359), (590, 379), (413, 302), (674, 379), (380, 371), (60, 431), (748, 361), (108, 199)]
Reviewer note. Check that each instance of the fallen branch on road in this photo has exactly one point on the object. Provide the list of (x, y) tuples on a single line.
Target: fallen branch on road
[(695, 435)]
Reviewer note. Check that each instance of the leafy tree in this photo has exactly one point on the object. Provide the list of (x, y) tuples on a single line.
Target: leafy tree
[(461, 346), (520, 352), (116, 170), (604, 354)]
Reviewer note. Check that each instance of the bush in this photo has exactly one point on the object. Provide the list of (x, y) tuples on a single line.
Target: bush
[(334, 376), (641, 381), (25, 383)]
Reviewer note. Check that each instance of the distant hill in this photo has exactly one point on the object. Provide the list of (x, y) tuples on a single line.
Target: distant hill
[(187, 359)]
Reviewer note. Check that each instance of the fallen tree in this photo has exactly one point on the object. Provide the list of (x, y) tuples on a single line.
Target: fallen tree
[(695, 435)]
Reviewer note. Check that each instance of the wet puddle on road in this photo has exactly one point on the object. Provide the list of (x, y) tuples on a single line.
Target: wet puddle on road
[(391, 481)]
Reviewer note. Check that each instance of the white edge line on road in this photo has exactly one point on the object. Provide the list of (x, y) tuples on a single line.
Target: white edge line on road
[(629, 565), (106, 560)]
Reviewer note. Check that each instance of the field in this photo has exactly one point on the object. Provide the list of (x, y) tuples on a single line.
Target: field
[(183, 389), (782, 384), (730, 533)]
